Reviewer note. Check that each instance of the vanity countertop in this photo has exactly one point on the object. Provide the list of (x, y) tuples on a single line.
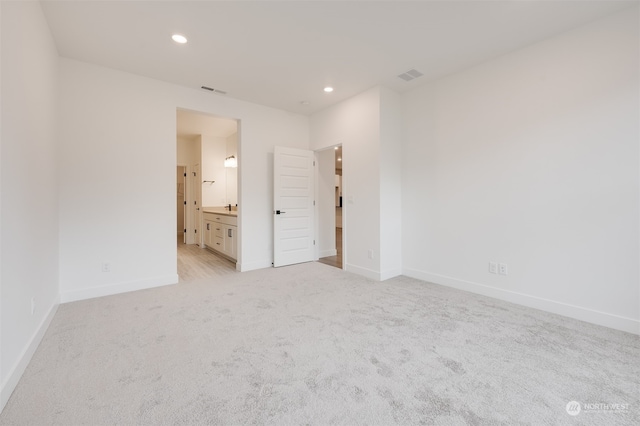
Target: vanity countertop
[(220, 210)]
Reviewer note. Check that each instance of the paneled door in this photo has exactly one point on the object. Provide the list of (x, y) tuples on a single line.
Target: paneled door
[(293, 215), (194, 234)]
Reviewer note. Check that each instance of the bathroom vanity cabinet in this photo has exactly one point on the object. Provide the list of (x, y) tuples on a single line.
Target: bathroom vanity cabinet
[(221, 233)]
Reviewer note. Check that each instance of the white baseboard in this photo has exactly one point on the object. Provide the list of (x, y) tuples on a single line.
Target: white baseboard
[(629, 325), (251, 266), (327, 253), (374, 275), (365, 272), (117, 288), (25, 357)]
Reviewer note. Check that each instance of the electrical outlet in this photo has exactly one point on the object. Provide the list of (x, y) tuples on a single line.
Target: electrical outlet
[(493, 267), (33, 305), (502, 269), (106, 267), (370, 254)]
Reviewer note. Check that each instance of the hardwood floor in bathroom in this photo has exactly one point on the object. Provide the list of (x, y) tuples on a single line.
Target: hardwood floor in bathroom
[(196, 263)]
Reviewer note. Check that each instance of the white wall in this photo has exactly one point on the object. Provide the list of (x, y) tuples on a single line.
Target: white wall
[(117, 137), (214, 150), (532, 160), (325, 202), (232, 172), (29, 195), (390, 184), (186, 152), (354, 124), (120, 208), (369, 128)]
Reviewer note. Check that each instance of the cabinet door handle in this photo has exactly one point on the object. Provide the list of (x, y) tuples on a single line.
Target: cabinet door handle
[(208, 229), (229, 232), (217, 229)]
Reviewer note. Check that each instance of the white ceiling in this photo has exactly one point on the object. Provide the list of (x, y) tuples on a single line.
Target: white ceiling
[(279, 53)]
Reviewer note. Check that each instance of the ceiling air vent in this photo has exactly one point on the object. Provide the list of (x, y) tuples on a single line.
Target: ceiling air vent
[(410, 75), (211, 89)]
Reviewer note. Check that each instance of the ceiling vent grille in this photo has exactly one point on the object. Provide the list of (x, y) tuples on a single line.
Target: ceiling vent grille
[(211, 89), (410, 75)]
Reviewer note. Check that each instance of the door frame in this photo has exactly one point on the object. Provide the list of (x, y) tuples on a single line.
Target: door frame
[(317, 206), (197, 238)]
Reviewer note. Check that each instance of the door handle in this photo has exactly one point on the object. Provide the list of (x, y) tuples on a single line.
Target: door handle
[(280, 212)]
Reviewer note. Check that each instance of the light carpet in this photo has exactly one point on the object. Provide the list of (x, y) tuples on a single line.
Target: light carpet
[(311, 344)]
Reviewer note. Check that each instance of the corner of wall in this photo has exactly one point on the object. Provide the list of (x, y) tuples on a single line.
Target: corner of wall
[(14, 375)]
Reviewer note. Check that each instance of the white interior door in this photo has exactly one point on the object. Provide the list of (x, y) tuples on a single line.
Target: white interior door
[(193, 216), (293, 199), (182, 203), (197, 197)]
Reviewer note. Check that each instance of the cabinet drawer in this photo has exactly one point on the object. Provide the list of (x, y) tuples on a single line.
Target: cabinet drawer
[(227, 220), (218, 229), (208, 216), (218, 243), (220, 218)]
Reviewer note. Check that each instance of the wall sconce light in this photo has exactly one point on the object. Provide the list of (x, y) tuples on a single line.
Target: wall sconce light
[(231, 161)]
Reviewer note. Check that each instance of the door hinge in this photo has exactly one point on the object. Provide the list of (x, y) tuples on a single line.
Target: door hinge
[(195, 231), (185, 175), (185, 230), (185, 203), (314, 164), (314, 202), (195, 202), (314, 242), (194, 174)]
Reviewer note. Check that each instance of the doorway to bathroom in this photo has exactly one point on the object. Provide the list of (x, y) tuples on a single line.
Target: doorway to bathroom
[(206, 195)]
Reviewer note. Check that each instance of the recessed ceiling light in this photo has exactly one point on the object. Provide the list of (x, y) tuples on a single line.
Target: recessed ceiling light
[(179, 38), (328, 89), (336, 148)]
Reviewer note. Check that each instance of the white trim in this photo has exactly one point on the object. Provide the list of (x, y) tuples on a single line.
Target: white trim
[(367, 273), (327, 253), (617, 322), (251, 266), (110, 289), (25, 357)]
